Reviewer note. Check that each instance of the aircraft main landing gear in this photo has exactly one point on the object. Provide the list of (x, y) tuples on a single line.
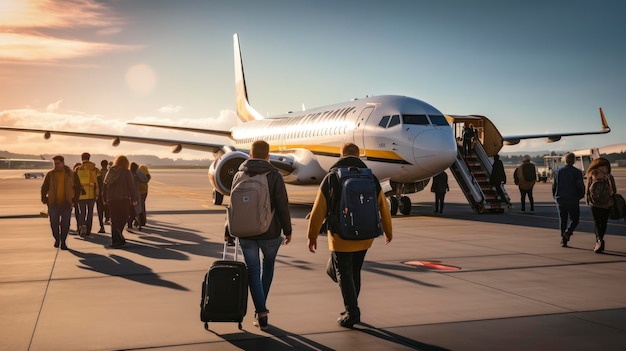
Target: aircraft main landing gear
[(404, 205)]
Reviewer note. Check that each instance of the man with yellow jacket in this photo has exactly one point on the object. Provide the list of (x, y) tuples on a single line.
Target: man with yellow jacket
[(346, 255), (88, 174)]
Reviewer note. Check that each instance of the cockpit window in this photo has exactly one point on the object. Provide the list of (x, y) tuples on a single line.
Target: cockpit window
[(438, 120), (384, 121), (415, 119), (395, 120)]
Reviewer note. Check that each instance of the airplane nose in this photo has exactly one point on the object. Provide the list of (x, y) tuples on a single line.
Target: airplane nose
[(435, 150)]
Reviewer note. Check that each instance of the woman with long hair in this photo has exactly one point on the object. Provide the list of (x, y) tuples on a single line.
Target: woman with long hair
[(600, 191), (119, 193)]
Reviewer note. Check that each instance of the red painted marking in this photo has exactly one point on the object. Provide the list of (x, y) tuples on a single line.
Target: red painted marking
[(432, 265)]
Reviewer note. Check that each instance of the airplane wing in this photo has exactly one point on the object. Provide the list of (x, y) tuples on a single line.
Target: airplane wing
[(552, 137), (176, 145), (224, 133)]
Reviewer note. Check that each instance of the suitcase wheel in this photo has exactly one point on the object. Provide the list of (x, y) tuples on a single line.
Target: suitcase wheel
[(206, 326), (239, 325)]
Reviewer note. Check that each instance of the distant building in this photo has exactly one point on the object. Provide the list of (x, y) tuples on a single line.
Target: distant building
[(12, 163), (621, 163)]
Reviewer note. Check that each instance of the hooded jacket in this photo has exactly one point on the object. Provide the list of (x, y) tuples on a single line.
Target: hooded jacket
[(278, 197), (118, 185), (321, 204)]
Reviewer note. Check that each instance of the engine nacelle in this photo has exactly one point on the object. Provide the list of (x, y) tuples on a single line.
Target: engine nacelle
[(223, 169)]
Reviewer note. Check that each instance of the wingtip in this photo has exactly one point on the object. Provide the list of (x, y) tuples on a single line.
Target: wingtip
[(605, 125)]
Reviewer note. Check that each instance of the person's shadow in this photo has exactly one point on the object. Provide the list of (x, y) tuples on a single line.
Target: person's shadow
[(115, 265), (280, 340), (396, 338)]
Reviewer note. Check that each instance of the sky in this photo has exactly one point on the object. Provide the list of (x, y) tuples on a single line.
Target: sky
[(529, 66)]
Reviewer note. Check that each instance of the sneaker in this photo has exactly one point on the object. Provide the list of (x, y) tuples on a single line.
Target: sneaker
[(101, 231), (565, 238), (56, 243), (83, 231), (599, 247), (348, 321), (63, 246)]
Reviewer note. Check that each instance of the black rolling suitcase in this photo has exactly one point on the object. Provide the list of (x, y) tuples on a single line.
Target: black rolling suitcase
[(225, 291)]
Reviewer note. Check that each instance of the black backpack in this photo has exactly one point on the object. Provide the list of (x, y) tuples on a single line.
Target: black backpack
[(353, 212)]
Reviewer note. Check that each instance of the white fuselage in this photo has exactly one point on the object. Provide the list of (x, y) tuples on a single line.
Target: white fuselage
[(401, 139)]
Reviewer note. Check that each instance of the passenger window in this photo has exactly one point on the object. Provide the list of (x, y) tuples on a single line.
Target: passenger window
[(438, 120), (395, 120), (384, 121), (415, 119)]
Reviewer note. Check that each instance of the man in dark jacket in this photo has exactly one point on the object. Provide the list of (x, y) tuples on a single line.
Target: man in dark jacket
[(440, 187), (268, 243), (498, 177), (568, 188)]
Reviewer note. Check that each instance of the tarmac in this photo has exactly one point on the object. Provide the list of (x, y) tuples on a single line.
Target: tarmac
[(475, 282)]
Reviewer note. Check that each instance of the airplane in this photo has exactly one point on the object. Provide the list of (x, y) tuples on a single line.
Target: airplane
[(405, 141)]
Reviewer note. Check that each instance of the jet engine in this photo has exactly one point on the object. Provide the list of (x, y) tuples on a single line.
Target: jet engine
[(223, 169)]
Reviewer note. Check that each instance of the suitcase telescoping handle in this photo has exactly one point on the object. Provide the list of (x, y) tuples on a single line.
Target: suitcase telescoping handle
[(235, 247)]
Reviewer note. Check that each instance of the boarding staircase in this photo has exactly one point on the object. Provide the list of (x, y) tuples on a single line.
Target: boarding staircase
[(472, 173)]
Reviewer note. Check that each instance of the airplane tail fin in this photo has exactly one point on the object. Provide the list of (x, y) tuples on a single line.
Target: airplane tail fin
[(245, 112), (605, 125)]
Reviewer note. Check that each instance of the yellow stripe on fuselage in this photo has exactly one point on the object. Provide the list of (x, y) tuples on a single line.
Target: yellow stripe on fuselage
[(334, 151)]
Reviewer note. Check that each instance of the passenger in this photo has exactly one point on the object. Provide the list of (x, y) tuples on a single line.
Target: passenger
[(119, 193), (143, 191), (260, 275), (60, 191), (103, 212), (440, 187), (347, 255), (88, 175), (498, 177), (135, 211), (600, 171), (468, 137), (76, 206), (567, 189), (525, 177)]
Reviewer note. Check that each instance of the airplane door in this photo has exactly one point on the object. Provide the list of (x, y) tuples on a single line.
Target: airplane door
[(359, 131)]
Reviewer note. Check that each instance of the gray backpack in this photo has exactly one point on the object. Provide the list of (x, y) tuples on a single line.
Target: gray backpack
[(250, 210)]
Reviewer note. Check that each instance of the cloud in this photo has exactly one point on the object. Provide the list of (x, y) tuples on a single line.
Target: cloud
[(169, 109), (54, 107), (24, 24), (55, 14)]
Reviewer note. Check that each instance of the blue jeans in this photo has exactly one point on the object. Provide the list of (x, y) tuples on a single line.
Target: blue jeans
[(260, 275), (60, 221), (569, 215)]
